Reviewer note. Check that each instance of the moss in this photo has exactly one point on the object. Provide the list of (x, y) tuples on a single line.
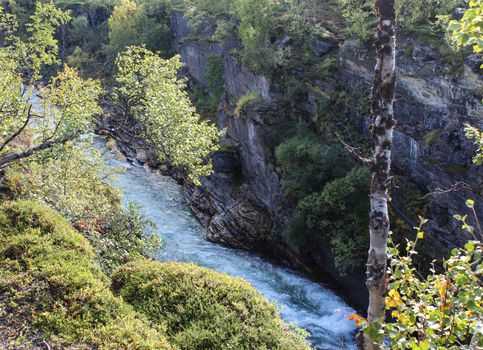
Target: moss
[(52, 289), (49, 284), (203, 309)]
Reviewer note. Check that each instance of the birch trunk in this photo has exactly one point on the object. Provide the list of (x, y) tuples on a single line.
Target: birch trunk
[(381, 143)]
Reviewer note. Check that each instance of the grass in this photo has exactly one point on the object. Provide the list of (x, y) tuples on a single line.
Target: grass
[(246, 101)]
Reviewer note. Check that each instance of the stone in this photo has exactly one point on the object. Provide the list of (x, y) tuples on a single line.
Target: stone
[(141, 155), (226, 162), (423, 53), (283, 41), (321, 47), (458, 13), (243, 203)]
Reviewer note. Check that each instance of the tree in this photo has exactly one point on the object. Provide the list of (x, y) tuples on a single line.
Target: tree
[(382, 128), (124, 27), (147, 88), (441, 311), (68, 102), (256, 20)]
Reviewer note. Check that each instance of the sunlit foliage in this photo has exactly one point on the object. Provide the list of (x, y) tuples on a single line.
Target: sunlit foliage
[(147, 88)]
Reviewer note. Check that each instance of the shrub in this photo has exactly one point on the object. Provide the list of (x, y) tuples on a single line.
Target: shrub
[(72, 183), (246, 101), (83, 61), (309, 163), (50, 285), (339, 212), (330, 194), (80, 29), (203, 309), (224, 28), (440, 310), (412, 14)]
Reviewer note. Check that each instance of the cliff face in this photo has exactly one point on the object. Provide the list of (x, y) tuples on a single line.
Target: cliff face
[(430, 146), (243, 201), (243, 204)]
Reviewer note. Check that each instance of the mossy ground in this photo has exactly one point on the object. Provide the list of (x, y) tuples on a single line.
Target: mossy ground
[(52, 290), (204, 309)]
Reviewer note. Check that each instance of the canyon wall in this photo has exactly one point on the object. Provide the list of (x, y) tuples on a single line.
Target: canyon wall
[(243, 204)]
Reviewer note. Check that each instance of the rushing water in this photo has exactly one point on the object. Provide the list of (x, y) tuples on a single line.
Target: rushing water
[(301, 301)]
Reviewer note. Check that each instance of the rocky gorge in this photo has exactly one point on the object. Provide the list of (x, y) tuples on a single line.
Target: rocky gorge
[(243, 204)]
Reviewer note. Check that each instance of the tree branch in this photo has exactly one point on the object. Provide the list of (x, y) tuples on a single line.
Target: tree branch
[(19, 131), (355, 152), (460, 185), (9, 158)]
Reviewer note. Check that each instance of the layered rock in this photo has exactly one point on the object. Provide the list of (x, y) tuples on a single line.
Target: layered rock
[(430, 147), (243, 204)]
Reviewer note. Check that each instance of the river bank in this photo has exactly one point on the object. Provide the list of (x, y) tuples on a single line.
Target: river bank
[(308, 304)]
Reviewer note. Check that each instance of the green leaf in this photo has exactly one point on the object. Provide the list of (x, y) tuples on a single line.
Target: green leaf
[(470, 247)]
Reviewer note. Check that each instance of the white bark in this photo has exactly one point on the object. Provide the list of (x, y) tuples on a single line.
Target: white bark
[(381, 143)]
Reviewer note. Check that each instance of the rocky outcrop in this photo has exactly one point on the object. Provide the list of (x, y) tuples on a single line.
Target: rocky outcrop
[(430, 147), (241, 207), (243, 204)]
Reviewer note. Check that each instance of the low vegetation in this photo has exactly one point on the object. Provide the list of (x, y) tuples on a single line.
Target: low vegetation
[(52, 290), (204, 309), (330, 199), (248, 100)]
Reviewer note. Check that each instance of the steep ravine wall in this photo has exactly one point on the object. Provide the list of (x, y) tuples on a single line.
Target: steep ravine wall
[(430, 147), (243, 204)]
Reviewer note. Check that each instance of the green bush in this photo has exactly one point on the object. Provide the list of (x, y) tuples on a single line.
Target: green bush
[(249, 100), (411, 14), (49, 285), (83, 61), (203, 309), (72, 183), (339, 212), (80, 29), (330, 194), (309, 163)]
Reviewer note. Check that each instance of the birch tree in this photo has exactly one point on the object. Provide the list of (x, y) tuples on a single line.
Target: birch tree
[(68, 103), (381, 143), (147, 88)]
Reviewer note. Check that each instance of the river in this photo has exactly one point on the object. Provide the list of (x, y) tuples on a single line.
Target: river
[(308, 304)]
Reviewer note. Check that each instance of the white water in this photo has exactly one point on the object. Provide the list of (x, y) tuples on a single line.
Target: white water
[(308, 304)]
